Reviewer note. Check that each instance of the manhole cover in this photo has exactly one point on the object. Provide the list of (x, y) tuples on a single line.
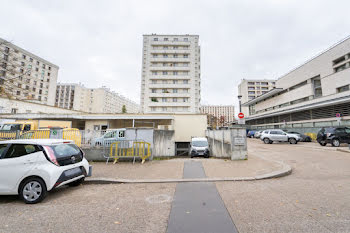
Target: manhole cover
[(156, 199)]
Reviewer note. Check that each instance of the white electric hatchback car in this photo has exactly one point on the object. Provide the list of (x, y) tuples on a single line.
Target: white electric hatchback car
[(31, 168)]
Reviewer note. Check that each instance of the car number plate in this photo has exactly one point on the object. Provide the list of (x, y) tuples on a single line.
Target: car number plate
[(73, 172)]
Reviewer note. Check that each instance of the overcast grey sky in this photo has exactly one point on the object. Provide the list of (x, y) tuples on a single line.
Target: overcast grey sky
[(100, 42)]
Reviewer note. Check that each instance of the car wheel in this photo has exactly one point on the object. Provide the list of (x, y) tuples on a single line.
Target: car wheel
[(32, 190), (77, 182), (292, 141), (266, 141), (323, 143), (336, 142), (270, 142)]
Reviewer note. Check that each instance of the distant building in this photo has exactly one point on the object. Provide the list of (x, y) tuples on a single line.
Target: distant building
[(171, 81), (92, 100), (315, 94), (25, 76), (249, 89), (223, 114)]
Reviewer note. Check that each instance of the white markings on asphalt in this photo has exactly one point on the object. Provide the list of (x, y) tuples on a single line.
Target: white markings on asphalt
[(158, 199)]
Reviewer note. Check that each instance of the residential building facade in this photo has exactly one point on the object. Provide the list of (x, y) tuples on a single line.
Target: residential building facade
[(92, 100), (25, 76), (249, 89), (171, 77), (224, 114), (315, 94)]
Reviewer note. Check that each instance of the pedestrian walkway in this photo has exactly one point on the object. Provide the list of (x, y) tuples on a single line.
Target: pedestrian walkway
[(198, 207)]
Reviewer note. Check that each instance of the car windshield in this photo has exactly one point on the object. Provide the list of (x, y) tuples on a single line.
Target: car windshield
[(11, 127), (200, 143)]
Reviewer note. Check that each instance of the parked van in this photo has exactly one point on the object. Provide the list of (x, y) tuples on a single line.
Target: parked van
[(109, 137), (199, 147)]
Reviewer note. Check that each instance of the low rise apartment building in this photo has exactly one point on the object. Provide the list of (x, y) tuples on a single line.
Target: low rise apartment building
[(222, 114), (25, 76), (315, 94), (92, 100), (249, 89)]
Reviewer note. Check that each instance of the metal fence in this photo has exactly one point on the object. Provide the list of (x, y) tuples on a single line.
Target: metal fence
[(83, 138)]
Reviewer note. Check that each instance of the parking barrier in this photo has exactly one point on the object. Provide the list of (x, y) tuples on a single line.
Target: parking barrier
[(128, 148)]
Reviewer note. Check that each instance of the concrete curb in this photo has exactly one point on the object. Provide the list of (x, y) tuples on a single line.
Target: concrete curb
[(344, 150), (286, 170)]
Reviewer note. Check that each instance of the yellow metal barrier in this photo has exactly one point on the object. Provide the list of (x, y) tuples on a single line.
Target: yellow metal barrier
[(313, 136), (129, 149)]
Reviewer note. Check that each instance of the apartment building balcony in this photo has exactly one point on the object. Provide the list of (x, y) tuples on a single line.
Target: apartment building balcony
[(170, 76), (171, 51), (169, 104), (169, 95), (171, 43), (170, 68), (170, 59), (170, 85)]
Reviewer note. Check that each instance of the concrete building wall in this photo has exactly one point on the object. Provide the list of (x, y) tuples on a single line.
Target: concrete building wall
[(8, 106), (164, 143), (187, 126), (26, 76), (170, 80)]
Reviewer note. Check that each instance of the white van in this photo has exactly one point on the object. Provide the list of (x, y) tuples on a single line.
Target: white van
[(199, 147)]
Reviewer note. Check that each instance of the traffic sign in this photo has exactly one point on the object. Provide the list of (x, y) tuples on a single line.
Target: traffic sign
[(240, 115), (337, 115)]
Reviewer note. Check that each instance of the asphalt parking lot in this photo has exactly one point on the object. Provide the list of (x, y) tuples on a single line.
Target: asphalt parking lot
[(314, 198)]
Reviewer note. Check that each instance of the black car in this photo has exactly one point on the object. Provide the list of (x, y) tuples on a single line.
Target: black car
[(304, 138), (333, 135)]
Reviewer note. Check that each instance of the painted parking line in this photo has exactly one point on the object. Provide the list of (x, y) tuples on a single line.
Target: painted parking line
[(198, 207)]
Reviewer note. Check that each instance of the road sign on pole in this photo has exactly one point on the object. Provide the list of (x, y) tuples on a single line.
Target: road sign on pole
[(240, 115)]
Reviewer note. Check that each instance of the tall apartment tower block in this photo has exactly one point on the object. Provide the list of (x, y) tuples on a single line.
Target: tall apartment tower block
[(171, 77)]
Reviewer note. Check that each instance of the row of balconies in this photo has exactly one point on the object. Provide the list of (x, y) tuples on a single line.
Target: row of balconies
[(169, 85), (170, 68)]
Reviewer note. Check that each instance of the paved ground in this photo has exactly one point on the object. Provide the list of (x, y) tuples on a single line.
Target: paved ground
[(173, 168), (315, 198), (198, 207), (92, 208)]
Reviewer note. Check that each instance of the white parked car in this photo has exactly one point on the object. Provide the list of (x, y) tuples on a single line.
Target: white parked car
[(31, 168), (277, 135), (258, 134)]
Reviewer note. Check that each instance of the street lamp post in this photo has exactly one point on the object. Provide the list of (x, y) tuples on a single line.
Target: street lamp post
[(239, 99)]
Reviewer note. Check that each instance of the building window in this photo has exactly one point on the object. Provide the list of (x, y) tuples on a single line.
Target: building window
[(166, 39), (14, 110), (175, 73), (185, 39), (155, 55), (6, 57), (164, 99), (251, 93), (31, 59), (154, 81), (165, 72), (22, 63), (154, 91), (18, 93), (174, 81), (185, 55), (155, 39), (24, 56), (251, 88), (340, 68), (44, 66), (165, 55), (174, 99), (251, 83), (174, 90), (37, 63), (49, 67), (264, 83), (154, 72), (164, 109), (185, 81), (317, 86), (343, 88), (7, 49), (165, 47)]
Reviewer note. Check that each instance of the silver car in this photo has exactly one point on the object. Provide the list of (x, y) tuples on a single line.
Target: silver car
[(277, 135)]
